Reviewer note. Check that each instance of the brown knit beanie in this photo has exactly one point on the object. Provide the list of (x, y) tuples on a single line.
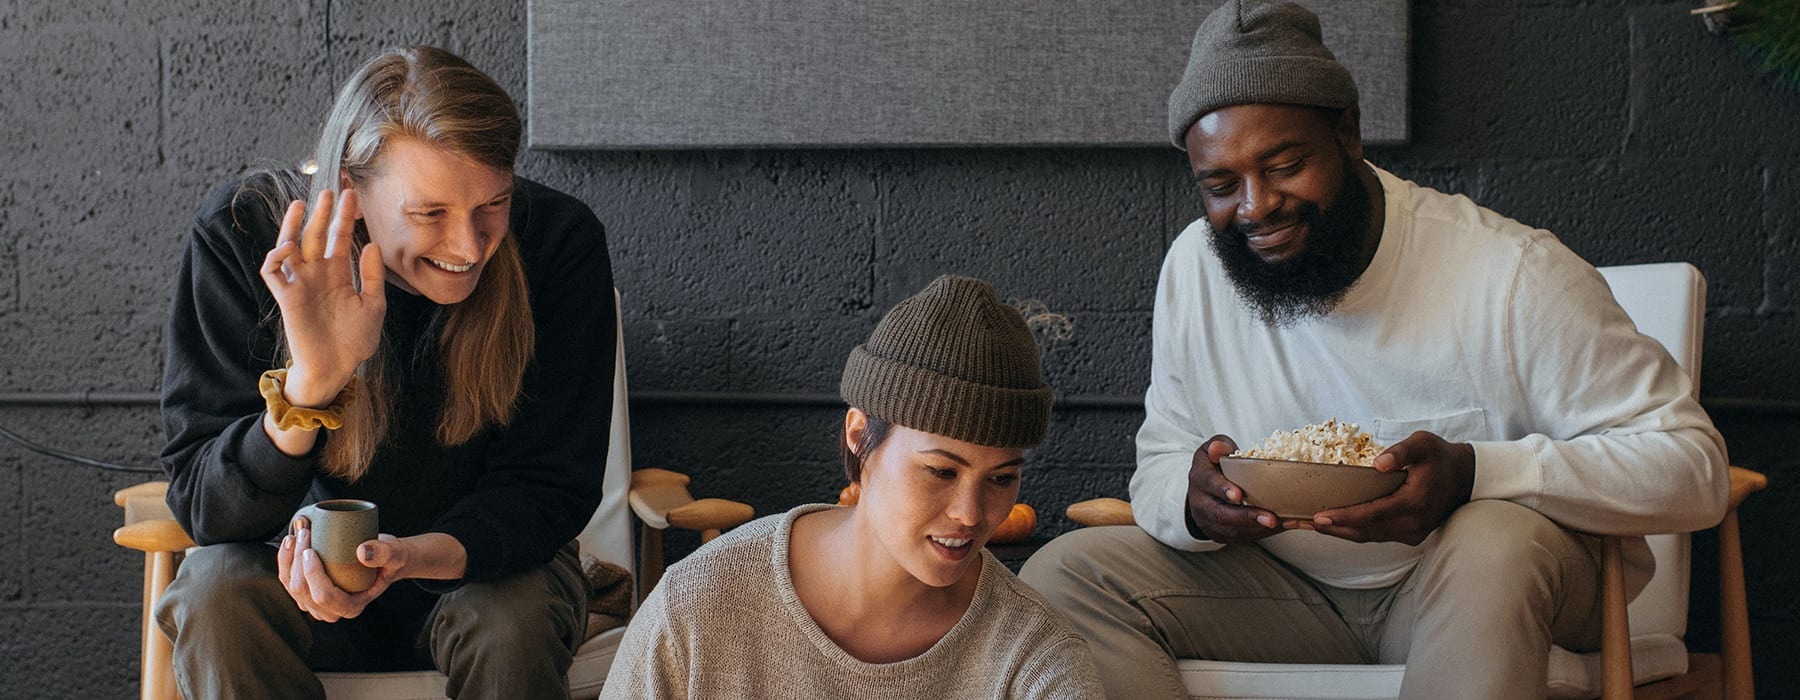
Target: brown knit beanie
[(1253, 52), (953, 361)]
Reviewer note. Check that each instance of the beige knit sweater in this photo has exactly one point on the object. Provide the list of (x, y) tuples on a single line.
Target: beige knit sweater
[(726, 623)]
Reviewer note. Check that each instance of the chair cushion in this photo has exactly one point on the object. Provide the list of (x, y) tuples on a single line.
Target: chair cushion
[(1653, 657), (586, 675)]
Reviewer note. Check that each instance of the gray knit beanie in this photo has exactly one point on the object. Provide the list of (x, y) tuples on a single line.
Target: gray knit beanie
[(953, 361), (1252, 52)]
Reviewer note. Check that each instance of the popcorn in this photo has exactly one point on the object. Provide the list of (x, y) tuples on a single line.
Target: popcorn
[(1328, 443)]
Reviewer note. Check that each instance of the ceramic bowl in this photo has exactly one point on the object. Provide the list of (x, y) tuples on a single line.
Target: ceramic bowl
[(1300, 489)]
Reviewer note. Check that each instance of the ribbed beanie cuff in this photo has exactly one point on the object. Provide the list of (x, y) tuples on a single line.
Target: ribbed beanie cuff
[(1250, 52), (953, 361)]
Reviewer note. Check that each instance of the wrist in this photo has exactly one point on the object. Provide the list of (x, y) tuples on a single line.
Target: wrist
[(306, 390)]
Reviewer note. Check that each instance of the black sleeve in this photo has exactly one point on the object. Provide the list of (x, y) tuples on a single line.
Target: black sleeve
[(227, 481), (543, 472)]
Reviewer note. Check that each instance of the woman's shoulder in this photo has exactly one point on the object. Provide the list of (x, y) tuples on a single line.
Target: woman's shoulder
[(246, 208), (1011, 606), (745, 549), (545, 215)]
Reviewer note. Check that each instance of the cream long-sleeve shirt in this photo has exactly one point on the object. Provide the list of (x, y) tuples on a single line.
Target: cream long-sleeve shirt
[(726, 623), (1466, 324)]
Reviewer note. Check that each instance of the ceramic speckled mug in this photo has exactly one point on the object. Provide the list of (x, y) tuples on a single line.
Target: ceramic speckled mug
[(338, 527)]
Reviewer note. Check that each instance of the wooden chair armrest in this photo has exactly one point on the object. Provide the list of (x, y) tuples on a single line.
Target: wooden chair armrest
[(1745, 482), (1101, 512), (149, 489), (153, 536), (660, 499)]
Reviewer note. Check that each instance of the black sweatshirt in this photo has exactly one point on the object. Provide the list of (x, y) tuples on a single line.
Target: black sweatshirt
[(512, 496)]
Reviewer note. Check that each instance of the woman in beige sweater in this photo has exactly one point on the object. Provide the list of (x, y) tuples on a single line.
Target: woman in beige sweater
[(894, 597)]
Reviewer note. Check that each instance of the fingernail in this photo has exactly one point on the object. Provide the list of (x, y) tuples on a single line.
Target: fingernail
[(1321, 520), (1266, 521), (287, 542), (367, 552)]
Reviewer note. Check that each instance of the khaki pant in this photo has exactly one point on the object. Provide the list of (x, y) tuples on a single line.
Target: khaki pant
[(1475, 619), (238, 634)]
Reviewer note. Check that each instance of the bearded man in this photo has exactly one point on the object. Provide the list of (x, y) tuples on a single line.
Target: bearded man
[(1519, 401)]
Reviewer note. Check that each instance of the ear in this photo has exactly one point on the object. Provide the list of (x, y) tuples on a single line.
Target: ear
[(855, 424), (1349, 131)]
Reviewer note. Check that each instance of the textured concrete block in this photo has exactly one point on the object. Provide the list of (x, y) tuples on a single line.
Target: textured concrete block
[(78, 99), (677, 355), (1181, 196), (1090, 436), (1781, 223), (91, 244), (731, 440), (52, 352), (1077, 229), (139, 15), (784, 356), (490, 35), (244, 97), (746, 233), (1750, 356), (9, 262), (1107, 354), (69, 651), (1050, 488), (1636, 212), (69, 555), (12, 538), (1695, 95), (1531, 82)]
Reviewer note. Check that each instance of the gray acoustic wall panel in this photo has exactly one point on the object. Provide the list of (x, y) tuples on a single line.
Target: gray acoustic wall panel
[(786, 73)]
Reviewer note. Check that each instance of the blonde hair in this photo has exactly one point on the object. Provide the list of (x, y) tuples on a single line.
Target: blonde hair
[(434, 97)]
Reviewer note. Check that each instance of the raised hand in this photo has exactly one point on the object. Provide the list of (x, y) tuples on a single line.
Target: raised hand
[(1439, 478), (1216, 509), (332, 326)]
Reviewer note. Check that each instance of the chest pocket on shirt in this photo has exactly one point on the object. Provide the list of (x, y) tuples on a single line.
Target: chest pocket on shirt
[(1461, 426)]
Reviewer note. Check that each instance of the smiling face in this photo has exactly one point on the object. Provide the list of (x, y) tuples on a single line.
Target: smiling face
[(1288, 207), (932, 502), (438, 217)]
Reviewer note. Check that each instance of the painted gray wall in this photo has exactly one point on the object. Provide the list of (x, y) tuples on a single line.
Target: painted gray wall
[(1620, 125)]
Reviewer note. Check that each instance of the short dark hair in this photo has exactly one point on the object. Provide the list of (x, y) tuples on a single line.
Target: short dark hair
[(874, 433)]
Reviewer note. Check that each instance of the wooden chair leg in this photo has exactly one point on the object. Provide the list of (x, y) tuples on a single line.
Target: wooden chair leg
[(157, 674), (1734, 612), (1615, 630), (650, 560)]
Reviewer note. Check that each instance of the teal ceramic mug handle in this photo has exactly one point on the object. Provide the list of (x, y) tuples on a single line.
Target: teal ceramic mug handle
[(339, 526)]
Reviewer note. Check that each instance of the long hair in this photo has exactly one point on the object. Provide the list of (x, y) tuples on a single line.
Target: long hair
[(486, 341)]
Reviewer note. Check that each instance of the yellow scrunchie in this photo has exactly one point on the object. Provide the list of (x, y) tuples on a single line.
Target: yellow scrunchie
[(288, 416)]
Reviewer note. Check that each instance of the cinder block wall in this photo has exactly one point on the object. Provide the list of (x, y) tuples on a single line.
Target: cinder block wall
[(1618, 124)]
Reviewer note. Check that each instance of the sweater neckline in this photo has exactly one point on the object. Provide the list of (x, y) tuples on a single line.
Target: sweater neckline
[(1395, 228), (790, 600)]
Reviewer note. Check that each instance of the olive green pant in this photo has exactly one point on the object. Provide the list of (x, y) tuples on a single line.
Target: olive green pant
[(1495, 587), (238, 634)]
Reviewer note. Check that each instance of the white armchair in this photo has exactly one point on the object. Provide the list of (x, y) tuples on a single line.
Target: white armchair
[(1643, 648)]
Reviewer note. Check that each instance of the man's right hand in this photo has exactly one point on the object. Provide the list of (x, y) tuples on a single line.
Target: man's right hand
[(1215, 509)]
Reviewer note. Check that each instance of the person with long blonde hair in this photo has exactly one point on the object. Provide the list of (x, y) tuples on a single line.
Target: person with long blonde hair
[(411, 325)]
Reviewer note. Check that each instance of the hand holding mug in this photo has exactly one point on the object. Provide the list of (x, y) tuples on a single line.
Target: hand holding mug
[(325, 562)]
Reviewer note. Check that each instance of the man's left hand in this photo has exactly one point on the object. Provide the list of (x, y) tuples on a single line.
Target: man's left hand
[(1439, 478)]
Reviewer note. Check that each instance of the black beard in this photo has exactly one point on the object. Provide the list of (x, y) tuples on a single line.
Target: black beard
[(1313, 281)]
